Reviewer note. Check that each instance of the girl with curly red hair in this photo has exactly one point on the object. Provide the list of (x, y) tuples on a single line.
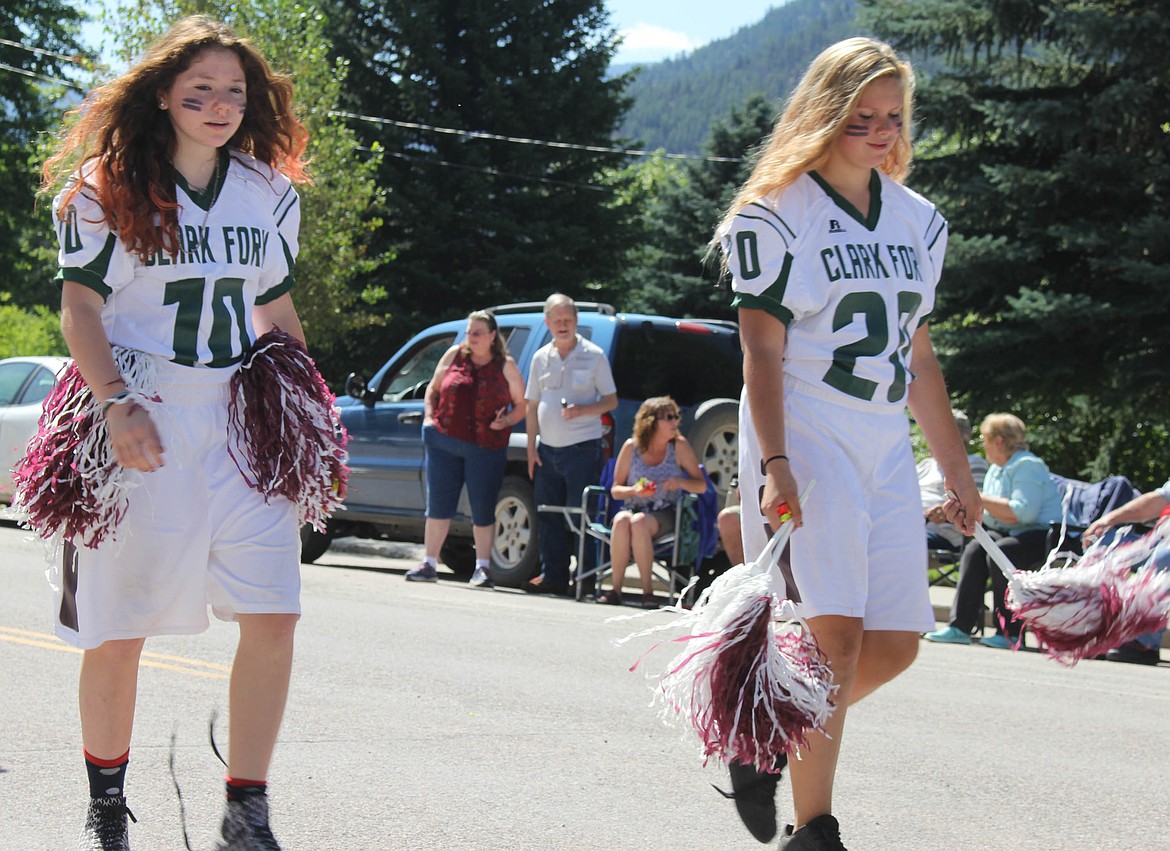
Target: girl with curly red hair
[(178, 224)]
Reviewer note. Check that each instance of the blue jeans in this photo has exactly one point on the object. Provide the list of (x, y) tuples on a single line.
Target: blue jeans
[(561, 475), (1159, 560), (452, 463)]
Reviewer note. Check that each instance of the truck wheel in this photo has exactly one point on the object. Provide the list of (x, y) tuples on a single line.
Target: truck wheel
[(459, 555), (515, 554), (715, 438), (314, 543)]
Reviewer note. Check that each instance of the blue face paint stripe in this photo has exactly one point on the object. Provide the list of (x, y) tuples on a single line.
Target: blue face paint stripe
[(856, 130), (193, 104)]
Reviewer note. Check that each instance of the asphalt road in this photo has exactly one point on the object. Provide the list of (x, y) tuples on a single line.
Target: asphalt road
[(441, 717)]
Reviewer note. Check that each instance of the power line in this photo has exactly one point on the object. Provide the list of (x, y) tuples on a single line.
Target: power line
[(76, 59), (493, 171), (44, 77), (520, 140)]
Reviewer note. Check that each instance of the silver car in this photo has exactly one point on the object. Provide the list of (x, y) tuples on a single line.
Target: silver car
[(24, 383)]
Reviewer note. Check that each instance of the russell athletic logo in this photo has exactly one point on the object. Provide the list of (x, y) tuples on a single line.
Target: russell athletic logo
[(835, 226)]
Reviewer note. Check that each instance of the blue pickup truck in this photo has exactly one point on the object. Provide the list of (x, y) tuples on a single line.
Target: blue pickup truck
[(697, 362)]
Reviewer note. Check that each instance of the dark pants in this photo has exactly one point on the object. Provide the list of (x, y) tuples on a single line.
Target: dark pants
[(1025, 550), (562, 474)]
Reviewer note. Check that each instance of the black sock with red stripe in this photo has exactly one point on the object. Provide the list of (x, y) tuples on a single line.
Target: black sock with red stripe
[(107, 777), (238, 788)]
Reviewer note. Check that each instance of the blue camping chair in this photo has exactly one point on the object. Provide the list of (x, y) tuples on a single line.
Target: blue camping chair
[(1084, 502), (677, 554)]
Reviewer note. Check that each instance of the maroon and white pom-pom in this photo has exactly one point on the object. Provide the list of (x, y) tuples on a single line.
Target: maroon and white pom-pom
[(1094, 605), (68, 483), (285, 434), (749, 678)]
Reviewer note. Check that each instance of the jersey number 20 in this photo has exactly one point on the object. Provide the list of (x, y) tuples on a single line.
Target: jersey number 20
[(872, 307)]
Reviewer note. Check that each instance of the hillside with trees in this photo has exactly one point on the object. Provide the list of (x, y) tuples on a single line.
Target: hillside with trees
[(676, 101)]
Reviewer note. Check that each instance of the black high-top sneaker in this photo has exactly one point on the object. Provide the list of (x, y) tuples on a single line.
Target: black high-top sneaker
[(105, 825)]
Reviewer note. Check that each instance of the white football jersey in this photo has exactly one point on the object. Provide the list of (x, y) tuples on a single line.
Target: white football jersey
[(239, 246), (852, 290)]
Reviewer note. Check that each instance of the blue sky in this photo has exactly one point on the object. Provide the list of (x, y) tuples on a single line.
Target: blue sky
[(659, 29)]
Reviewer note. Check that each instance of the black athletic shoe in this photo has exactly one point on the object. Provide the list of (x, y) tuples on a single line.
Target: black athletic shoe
[(245, 826), (821, 834), (754, 793), (1136, 652), (105, 825)]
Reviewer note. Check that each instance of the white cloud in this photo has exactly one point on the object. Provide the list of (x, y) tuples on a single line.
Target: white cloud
[(648, 43)]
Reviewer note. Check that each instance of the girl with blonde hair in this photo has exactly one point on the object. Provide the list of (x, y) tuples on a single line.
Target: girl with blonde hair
[(834, 266)]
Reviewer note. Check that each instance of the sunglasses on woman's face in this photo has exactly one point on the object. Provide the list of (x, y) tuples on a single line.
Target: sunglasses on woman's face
[(670, 417)]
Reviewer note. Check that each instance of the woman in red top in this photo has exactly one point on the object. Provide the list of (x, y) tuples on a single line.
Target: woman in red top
[(472, 402)]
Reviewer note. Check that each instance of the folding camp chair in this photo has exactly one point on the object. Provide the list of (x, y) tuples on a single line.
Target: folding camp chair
[(1083, 503), (677, 554), (945, 562)]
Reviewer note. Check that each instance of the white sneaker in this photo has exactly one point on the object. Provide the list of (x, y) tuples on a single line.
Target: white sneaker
[(423, 573), (481, 578)]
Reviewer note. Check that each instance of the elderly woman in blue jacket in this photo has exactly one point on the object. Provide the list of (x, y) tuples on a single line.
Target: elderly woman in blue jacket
[(1020, 499)]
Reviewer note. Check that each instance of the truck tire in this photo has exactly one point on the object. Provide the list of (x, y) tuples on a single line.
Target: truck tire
[(515, 554), (314, 543), (459, 556), (715, 438)]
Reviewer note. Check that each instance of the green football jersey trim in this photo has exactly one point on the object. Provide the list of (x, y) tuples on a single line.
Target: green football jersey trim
[(771, 299), (870, 223), (93, 273)]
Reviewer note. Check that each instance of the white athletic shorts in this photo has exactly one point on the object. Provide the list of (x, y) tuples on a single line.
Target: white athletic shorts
[(194, 535), (861, 551)]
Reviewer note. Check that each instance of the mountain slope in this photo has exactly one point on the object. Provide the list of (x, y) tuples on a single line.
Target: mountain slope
[(676, 101)]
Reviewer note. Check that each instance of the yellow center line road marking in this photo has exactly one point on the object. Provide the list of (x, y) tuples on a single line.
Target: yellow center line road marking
[(165, 661)]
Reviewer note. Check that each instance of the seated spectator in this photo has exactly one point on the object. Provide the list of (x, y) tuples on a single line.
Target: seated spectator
[(653, 469), (728, 521), (941, 535), (1146, 508), (1020, 499)]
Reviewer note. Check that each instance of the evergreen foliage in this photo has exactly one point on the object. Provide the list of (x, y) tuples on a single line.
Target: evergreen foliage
[(336, 218), (676, 101), (472, 222), (669, 270), (1047, 149), (28, 106)]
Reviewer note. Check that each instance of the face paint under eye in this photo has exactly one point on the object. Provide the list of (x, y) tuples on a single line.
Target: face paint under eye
[(857, 130), (193, 104)]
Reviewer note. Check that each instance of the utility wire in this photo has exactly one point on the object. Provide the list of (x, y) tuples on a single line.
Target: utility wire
[(409, 125), (476, 134), (76, 59), (44, 77), (493, 171)]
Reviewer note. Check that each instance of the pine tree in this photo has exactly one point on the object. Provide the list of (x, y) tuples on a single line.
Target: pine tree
[(42, 57), (473, 221), (669, 271), (1046, 146)]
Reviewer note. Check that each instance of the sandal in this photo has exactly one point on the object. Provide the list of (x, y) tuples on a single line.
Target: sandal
[(649, 601), (610, 598)]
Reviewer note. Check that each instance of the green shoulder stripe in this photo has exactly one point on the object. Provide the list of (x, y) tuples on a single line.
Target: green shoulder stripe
[(759, 302), (93, 273)]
